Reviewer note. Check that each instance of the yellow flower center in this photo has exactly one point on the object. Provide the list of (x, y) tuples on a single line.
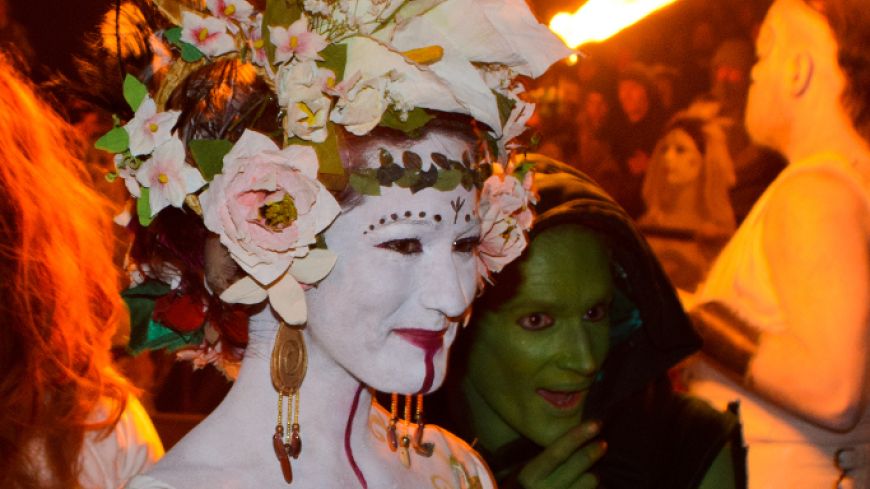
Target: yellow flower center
[(279, 215), (162, 178), (259, 43), (203, 34), (294, 42), (230, 10), (330, 82), (310, 117), (425, 55), (153, 127)]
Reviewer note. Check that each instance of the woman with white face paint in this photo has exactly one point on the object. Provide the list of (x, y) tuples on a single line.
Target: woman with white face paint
[(324, 205), (688, 215)]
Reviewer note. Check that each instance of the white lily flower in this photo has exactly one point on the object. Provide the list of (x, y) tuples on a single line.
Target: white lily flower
[(149, 128), (168, 177), (307, 118), (208, 34), (471, 32), (412, 83), (236, 10)]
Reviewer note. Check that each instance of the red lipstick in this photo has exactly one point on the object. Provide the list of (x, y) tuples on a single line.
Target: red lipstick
[(426, 339)]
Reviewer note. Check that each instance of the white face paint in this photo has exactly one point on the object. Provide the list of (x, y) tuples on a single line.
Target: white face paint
[(681, 158), (388, 311)]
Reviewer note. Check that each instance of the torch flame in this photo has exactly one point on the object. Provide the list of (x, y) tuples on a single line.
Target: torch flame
[(598, 20)]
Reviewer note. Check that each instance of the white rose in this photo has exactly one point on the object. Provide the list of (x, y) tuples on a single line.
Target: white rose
[(362, 107)]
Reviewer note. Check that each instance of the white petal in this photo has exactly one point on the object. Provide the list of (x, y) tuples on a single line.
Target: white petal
[(454, 69), (326, 209), (303, 158), (416, 85), (192, 178), (244, 291), (288, 300), (251, 143), (316, 265)]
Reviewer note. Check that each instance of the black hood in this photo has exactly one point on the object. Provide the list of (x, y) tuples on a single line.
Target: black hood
[(651, 331)]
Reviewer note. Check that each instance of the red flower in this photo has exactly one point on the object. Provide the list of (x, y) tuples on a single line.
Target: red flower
[(231, 321), (183, 313)]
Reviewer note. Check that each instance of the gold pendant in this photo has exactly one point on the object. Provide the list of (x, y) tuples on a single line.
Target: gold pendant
[(404, 454), (289, 359)]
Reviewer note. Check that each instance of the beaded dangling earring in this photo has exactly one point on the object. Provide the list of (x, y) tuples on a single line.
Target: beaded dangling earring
[(392, 437), (424, 449), (407, 442), (404, 453), (289, 363)]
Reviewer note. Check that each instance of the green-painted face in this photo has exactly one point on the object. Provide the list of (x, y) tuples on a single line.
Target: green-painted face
[(535, 357)]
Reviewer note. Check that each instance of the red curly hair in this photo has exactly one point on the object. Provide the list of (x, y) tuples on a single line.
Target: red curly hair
[(60, 304)]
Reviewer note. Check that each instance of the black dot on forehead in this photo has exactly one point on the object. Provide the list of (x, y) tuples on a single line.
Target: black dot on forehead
[(371, 227), (468, 218), (407, 213), (394, 216), (382, 220), (437, 217), (422, 214)]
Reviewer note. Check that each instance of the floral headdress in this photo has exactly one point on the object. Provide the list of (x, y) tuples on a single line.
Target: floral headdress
[(357, 64)]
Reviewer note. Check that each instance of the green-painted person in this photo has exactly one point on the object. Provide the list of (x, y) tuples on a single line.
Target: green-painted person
[(561, 377)]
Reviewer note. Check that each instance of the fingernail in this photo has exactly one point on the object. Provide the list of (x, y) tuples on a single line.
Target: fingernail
[(593, 428)]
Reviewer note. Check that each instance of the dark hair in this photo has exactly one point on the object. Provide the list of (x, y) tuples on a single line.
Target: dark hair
[(692, 126), (850, 22)]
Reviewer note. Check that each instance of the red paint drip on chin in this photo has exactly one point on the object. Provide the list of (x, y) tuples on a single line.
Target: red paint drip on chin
[(430, 371), (430, 342)]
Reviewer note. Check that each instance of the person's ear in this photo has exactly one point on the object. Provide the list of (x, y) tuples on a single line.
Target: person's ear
[(801, 74)]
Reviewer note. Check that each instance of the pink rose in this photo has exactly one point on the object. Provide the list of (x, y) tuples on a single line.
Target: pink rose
[(267, 205), (500, 244), (506, 216)]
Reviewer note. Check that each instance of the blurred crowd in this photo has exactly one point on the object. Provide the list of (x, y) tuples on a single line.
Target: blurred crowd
[(660, 126)]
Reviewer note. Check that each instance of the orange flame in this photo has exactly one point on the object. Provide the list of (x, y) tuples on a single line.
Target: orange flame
[(598, 20)]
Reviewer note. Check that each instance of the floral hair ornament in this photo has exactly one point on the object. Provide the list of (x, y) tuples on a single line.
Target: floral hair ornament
[(358, 64)]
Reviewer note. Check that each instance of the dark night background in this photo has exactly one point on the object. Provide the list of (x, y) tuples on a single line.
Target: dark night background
[(56, 27)]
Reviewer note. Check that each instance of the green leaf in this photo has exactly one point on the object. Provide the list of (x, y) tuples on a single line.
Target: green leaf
[(409, 179), (524, 168), (334, 58), (173, 35), (134, 92), (505, 107), (115, 141), (448, 180), (492, 143), (417, 118), (155, 336), (143, 207), (365, 184), (149, 288), (328, 154), (144, 333), (209, 155), (279, 13), (190, 53)]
